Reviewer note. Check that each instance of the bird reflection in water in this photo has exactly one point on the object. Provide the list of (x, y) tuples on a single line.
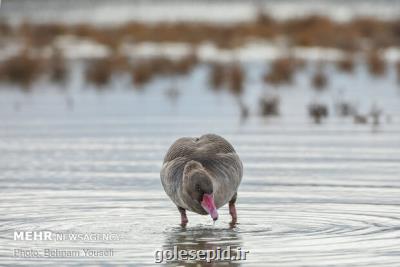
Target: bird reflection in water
[(204, 238)]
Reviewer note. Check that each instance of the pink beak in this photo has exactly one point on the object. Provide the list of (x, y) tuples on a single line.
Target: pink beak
[(208, 204)]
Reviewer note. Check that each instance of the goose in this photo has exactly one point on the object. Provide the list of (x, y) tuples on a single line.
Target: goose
[(201, 175)]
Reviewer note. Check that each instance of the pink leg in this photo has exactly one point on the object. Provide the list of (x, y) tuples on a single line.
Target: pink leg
[(232, 209), (232, 212), (184, 219)]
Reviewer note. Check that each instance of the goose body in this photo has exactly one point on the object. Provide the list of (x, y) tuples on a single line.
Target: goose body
[(197, 171)]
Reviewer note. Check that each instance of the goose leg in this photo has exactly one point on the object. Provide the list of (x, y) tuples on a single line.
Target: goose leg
[(184, 219), (232, 209)]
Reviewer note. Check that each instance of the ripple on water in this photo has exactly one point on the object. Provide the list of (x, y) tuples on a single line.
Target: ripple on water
[(326, 196)]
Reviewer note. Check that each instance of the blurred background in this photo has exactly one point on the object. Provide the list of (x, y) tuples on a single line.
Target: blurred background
[(252, 53), (92, 94)]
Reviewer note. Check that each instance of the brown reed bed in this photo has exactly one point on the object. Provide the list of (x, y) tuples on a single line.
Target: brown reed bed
[(307, 31), (108, 36), (360, 33), (217, 76), (235, 79), (119, 63), (5, 29), (378, 33), (346, 64), (57, 68), (323, 32), (185, 64), (398, 71), (145, 69), (99, 71), (281, 71), (230, 75), (22, 69), (142, 73), (376, 64), (319, 80), (314, 30), (40, 35)]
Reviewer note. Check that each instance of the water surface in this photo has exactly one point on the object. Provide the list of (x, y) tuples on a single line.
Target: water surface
[(312, 195)]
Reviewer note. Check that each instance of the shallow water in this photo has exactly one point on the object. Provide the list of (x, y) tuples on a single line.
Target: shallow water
[(312, 195)]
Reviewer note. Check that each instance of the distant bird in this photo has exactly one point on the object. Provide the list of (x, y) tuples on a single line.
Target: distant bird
[(201, 175), (317, 111), (360, 119), (375, 114)]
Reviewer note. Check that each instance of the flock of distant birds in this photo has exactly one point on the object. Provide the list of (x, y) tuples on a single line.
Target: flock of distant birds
[(282, 70)]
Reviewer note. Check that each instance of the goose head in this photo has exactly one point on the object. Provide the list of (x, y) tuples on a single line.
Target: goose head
[(198, 185)]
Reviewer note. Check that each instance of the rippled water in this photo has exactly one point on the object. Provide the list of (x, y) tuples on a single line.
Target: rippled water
[(312, 195)]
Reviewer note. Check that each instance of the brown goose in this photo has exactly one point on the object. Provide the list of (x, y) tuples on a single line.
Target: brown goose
[(201, 175)]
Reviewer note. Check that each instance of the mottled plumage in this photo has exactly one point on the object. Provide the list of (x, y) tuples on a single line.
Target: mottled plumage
[(210, 155)]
